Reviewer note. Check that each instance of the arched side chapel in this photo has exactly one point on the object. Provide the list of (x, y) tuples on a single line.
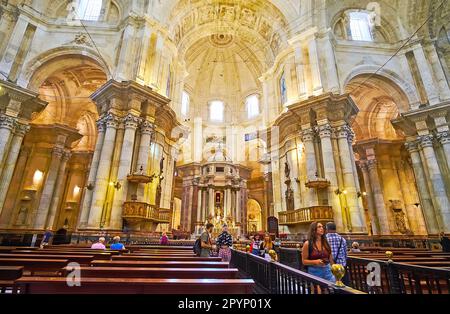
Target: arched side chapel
[(224, 111)]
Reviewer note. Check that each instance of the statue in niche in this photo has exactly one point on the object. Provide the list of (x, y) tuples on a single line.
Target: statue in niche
[(287, 170), (22, 216), (290, 199), (399, 216), (161, 165)]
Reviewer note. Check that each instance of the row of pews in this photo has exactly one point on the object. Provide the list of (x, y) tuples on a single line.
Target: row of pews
[(139, 270)]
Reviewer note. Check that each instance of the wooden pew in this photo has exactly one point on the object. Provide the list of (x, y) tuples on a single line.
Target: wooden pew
[(141, 272), (160, 264), (165, 258), (112, 252), (6, 249), (102, 255), (8, 274), (80, 259), (58, 285), (161, 254), (36, 265)]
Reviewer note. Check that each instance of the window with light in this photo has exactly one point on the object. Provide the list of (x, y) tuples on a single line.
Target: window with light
[(89, 10), (252, 105), (283, 89), (216, 111), (185, 99), (360, 26)]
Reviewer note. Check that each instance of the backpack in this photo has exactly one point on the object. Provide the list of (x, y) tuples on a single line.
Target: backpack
[(197, 247)]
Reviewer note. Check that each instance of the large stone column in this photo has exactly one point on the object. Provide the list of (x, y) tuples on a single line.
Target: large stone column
[(59, 187), (87, 200), (211, 202), (49, 187), (102, 181), (325, 131), (204, 205), (357, 221), (370, 199), (311, 166), (378, 197), (426, 203), (11, 159), (146, 129), (6, 133), (442, 204), (8, 18), (126, 156), (444, 140)]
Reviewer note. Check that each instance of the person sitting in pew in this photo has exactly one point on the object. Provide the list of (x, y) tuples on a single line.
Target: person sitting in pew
[(117, 245), (100, 245), (164, 239), (355, 248)]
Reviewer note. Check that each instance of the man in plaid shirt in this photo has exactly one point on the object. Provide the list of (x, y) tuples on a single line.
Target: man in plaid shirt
[(338, 244)]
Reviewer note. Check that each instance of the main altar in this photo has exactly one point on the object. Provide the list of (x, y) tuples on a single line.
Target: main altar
[(216, 192)]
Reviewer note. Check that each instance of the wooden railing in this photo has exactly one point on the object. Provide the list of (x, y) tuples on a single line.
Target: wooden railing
[(306, 215), (276, 278), (393, 278), (396, 278), (144, 211)]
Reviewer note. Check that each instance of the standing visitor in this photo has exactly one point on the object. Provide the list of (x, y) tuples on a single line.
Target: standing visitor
[(316, 253), (164, 239), (46, 239), (266, 246), (338, 248), (224, 243), (255, 245), (205, 239)]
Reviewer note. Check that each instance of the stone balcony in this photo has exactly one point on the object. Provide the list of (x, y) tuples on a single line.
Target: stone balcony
[(306, 215)]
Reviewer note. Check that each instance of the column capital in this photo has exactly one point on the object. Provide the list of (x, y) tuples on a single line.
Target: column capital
[(66, 156), (57, 152), (131, 121), (426, 141), (412, 146), (111, 121), (343, 131), (7, 122), (372, 164), (21, 129), (443, 137), (101, 125), (307, 135), (146, 127), (363, 165), (324, 130)]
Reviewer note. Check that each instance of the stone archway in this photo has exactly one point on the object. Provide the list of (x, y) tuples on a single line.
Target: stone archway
[(389, 192), (254, 216), (59, 145)]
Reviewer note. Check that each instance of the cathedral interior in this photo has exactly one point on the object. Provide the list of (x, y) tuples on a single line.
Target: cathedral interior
[(162, 115)]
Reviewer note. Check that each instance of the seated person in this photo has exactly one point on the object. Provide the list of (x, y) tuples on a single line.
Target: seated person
[(100, 245), (355, 248), (117, 245), (164, 240)]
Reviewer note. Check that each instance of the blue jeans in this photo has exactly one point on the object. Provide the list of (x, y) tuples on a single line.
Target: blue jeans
[(322, 272)]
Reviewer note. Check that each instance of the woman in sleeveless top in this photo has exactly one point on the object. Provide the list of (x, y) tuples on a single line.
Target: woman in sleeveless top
[(316, 253)]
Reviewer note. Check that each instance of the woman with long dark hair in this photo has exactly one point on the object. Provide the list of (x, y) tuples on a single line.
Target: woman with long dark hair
[(316, 253)]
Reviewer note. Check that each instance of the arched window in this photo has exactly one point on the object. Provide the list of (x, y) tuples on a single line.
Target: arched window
[(89, 10), (283, 90), (360, 26), (252, 106), (185, 100), (216, 109)]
